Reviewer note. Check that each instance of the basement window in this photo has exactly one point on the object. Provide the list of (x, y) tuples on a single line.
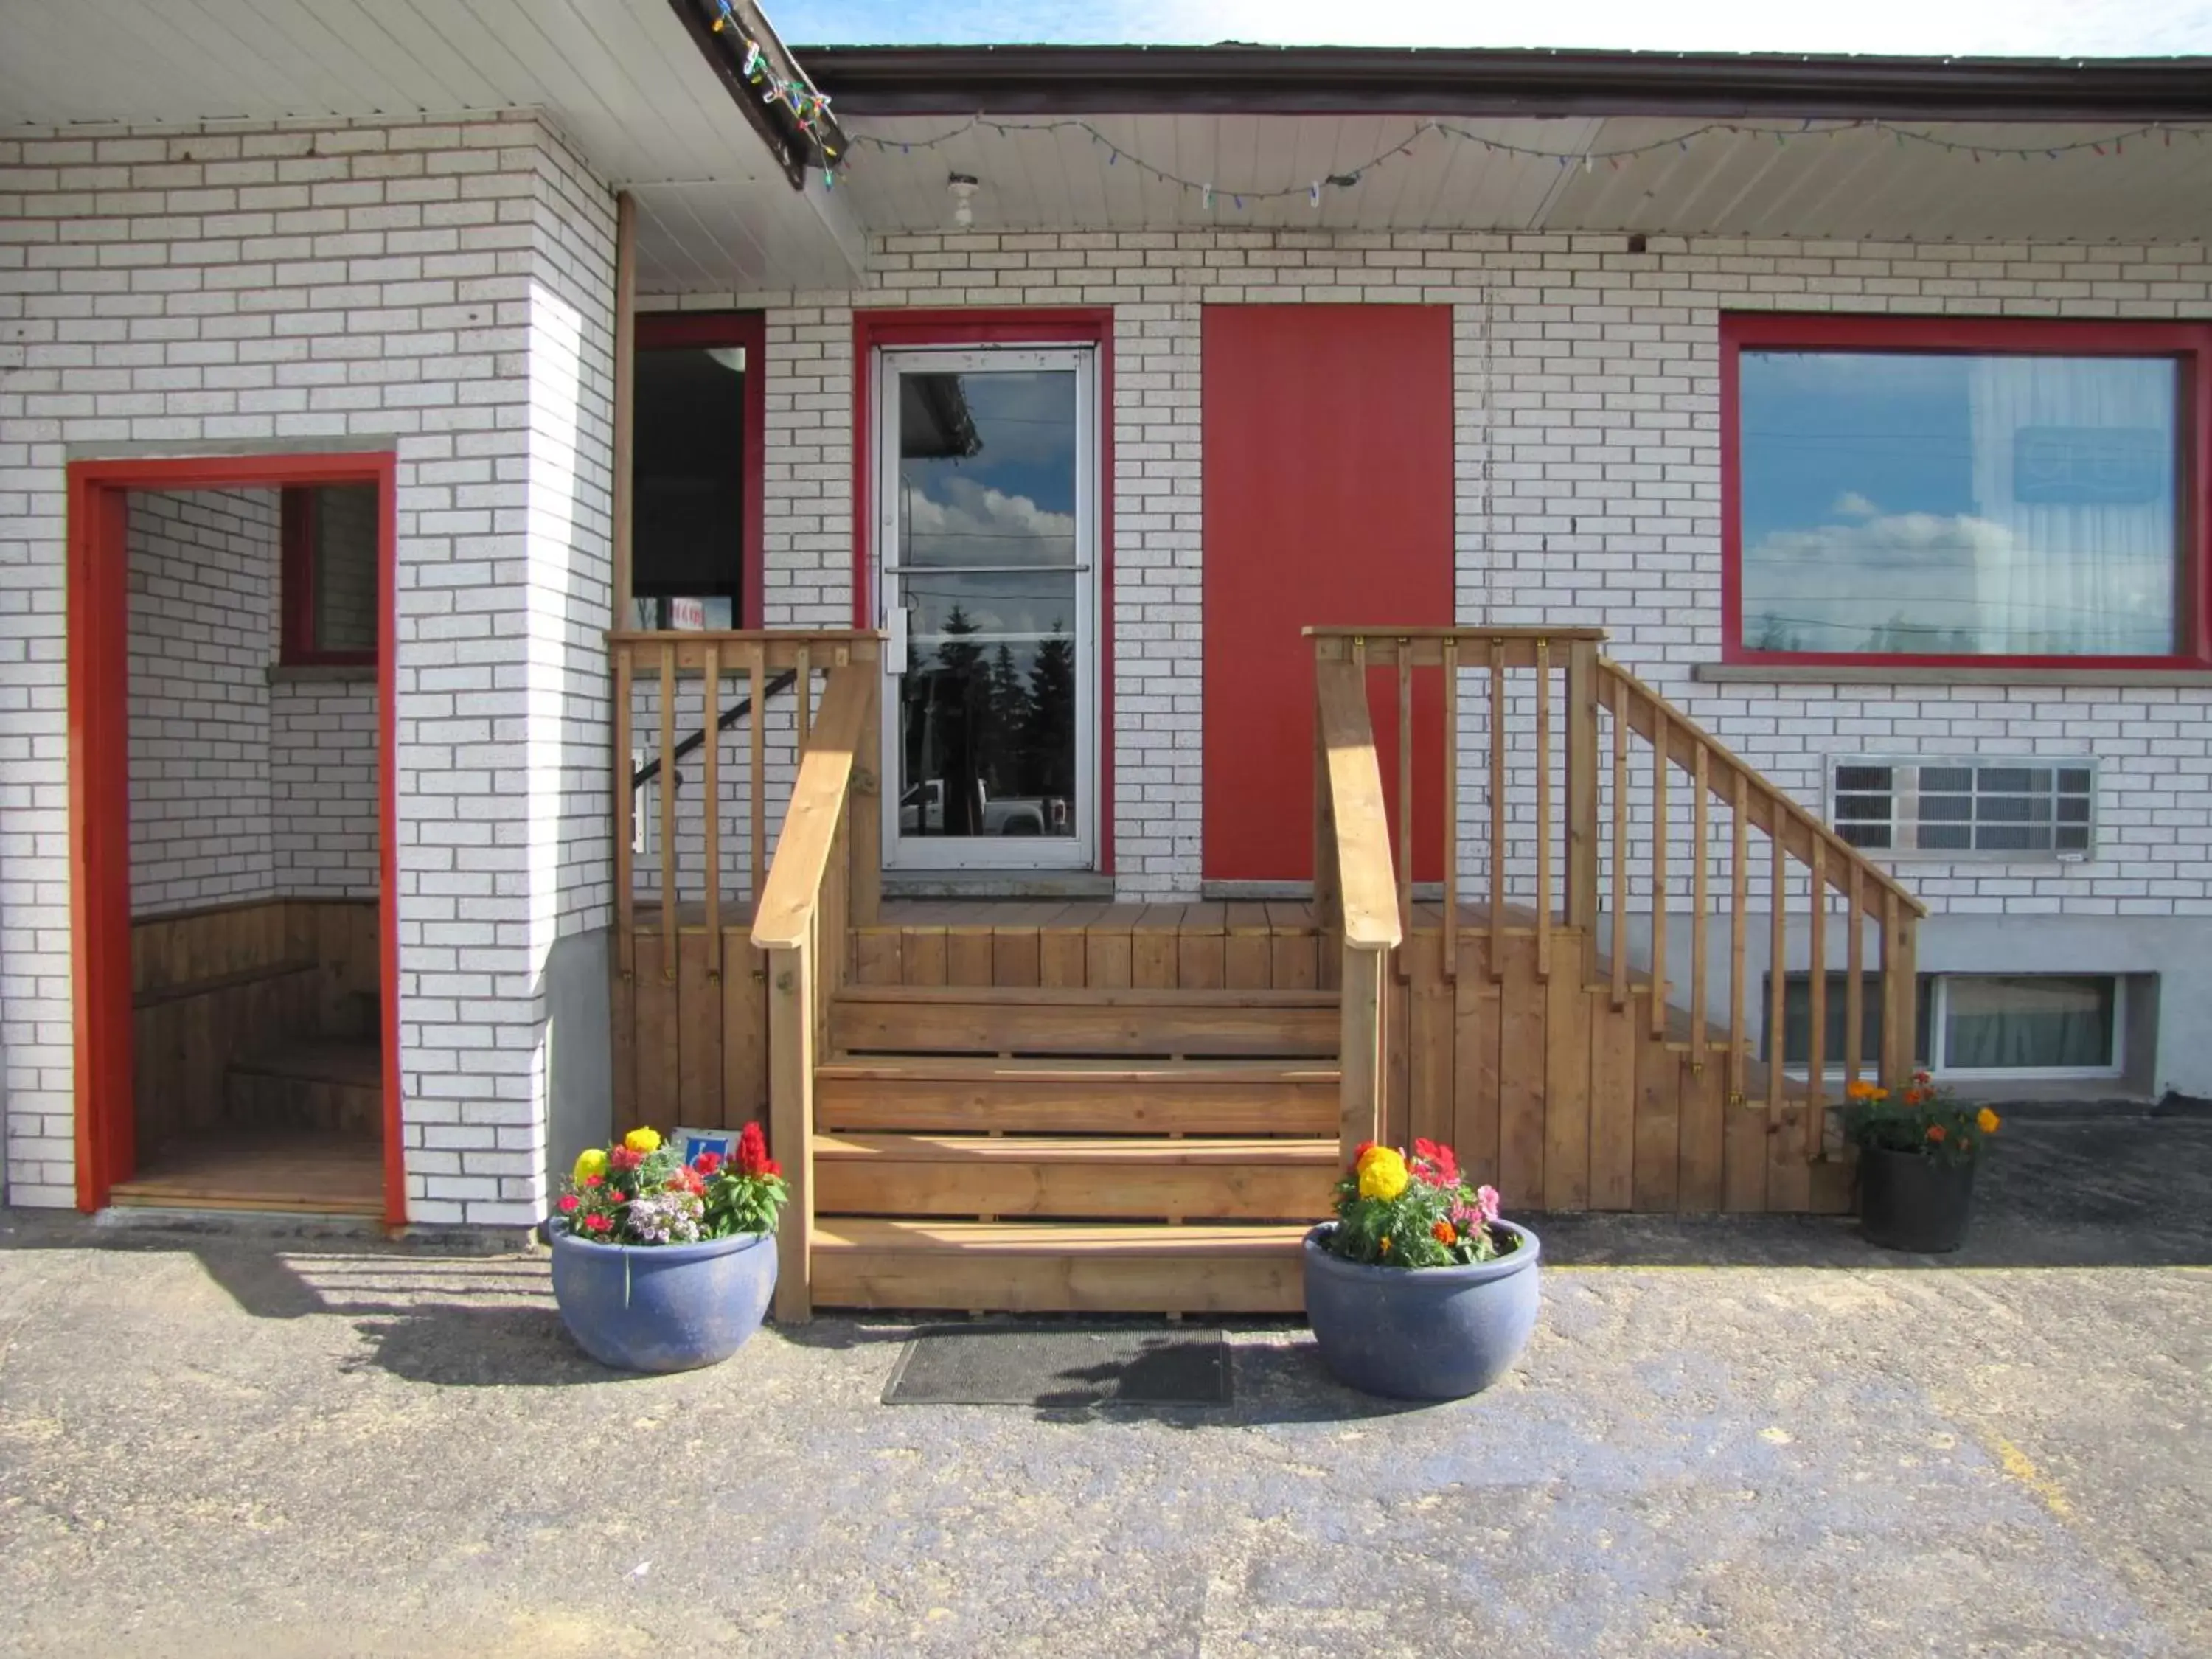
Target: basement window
[(1969, 1026)]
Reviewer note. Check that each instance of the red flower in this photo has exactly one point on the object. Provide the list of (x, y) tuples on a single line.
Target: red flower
[(622, 1158), (1436, 1165), (1934, 1132), (753, 1151), (598, 1223), (689, 1181), (706, 1163), (569, 1202), (771, 1168), (1444, 1232)]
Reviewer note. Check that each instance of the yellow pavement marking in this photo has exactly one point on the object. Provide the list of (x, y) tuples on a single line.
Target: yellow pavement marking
[(2017, 1464)]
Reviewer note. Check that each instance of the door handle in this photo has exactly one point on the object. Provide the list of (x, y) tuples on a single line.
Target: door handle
[(895, 647)]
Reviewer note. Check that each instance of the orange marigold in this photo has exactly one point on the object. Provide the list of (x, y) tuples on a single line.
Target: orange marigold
[(1987, 1121), (1443, 1231), (1935, 1131), (1864, 1090)]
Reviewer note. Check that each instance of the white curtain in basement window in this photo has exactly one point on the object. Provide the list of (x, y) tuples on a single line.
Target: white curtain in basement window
[(2073, 481)]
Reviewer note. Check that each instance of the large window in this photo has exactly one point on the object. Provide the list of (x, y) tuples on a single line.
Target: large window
[(2021, 1026), (2011, 491)]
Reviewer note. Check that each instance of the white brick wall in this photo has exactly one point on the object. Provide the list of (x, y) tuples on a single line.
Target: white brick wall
[(440, 289), (1588, 492), (322, 771), (202, 572)]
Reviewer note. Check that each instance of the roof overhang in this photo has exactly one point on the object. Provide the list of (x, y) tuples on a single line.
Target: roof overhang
[(1235, 79)]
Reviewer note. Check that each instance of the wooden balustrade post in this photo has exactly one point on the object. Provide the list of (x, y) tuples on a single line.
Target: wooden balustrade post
[(666, 779), (710, 790), (790, 1049), (1582, 786), (1328, 895), (1362, 1054), (1901, 1001), (864, 827)]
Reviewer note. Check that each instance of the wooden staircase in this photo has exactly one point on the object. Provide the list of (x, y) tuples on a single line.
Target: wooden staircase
[(985, 1111), (1044, 1148)]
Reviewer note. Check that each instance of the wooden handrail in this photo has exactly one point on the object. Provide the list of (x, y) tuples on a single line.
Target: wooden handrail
[(1365, 884), (1799, 829), (810, 823)]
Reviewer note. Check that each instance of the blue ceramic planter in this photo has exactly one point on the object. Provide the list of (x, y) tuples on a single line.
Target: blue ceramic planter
[(662, 1307), (1425, 1333)]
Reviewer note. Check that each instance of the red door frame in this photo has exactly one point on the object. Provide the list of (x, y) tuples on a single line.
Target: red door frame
[(99, 785), (658, 330), (1010, 325)]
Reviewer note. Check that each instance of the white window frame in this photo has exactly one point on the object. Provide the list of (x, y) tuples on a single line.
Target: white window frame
[(1010, 853), (1938, 1017)]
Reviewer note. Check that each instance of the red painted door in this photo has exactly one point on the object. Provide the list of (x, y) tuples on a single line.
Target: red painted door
[(1327, 500)]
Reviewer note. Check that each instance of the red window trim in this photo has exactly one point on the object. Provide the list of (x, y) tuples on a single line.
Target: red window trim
[(2190, 343), (748, 329), (297, 645), (1045, 326)]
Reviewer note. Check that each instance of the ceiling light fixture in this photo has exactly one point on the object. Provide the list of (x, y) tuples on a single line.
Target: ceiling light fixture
[(962, 187)]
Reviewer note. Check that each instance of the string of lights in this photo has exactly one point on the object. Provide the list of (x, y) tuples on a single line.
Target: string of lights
[(2102, 144), (808, 106)]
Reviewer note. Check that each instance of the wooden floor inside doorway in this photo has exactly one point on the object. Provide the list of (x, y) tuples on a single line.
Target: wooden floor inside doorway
[(302, 1172)]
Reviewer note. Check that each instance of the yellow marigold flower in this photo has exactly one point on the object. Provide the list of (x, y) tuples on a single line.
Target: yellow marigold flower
[(1863, 1090), (592, 1161), (1987, 1121), (642, 1141), (1382, 1173)]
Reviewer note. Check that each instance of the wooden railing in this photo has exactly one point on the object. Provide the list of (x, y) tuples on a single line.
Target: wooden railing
[(1352, 893), (1551, 700), (824, 877)]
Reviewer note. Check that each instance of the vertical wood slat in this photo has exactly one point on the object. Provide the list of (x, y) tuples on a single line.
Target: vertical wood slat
[(1405, 792), (667, 780), (803, 685), (1816, 1062), (710, 786), (865, 824), (1658, 869), (1700, 895), (1854, 989), (791, 1116), (1498, 810), (625, 818), (1543, 809), (1328, 896), (1739, 919), (1582, 786), (1619, 842), (1899, 999), (757, 782), (1360, 1028), (1451, 812), (1776, 957)]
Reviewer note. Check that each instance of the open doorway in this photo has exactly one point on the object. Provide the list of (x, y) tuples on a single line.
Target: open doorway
[(231, 820)]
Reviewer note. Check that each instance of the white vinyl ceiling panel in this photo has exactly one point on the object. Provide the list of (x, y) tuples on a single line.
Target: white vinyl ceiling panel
[(1856, 185), (622, 79)]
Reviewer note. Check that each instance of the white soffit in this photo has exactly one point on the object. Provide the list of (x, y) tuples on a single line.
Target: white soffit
[(1859, 185), (622, 79)]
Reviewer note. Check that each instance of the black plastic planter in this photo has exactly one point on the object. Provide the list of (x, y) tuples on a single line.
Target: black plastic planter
[(1908, 1201)]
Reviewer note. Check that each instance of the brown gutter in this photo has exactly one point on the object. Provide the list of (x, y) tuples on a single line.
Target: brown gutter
[(1017, 80)]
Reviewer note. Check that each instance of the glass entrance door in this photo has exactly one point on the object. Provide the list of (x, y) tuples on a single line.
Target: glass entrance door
[(986, 514)]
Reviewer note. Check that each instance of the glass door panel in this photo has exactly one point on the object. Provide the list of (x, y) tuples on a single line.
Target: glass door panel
[(986, 521)]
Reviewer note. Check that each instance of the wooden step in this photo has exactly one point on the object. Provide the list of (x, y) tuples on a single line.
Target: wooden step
[(1078, 1097), (1049, 1267), (331, 1083), (1245, 1178), (909, 1019)]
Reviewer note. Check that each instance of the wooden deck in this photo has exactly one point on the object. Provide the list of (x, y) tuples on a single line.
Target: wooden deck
[(1087, 1105), (301, 1172)]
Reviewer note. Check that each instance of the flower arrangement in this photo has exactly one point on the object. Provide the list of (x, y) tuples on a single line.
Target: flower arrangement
[(1393, 1211), (1926, 1119), (640, 1191)]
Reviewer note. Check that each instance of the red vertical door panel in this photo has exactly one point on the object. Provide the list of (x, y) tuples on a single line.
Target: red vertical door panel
[(1328, 500)]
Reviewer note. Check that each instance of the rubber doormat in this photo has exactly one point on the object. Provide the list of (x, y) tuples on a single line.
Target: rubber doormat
[(1059, 1365)]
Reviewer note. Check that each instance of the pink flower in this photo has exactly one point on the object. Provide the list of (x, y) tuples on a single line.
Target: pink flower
[(569, 1202)]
